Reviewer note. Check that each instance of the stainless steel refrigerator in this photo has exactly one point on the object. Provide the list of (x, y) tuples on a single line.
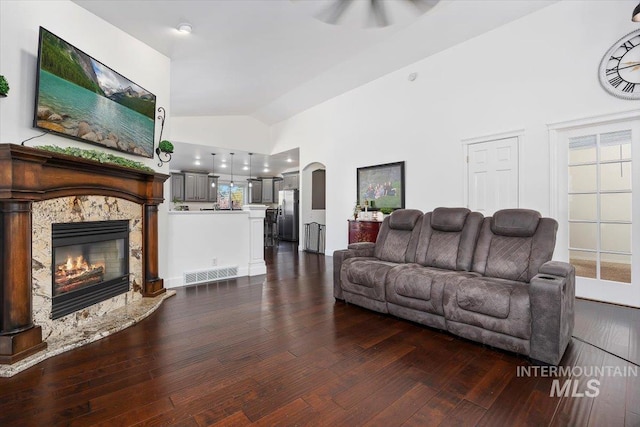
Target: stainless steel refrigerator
[(288, 215)]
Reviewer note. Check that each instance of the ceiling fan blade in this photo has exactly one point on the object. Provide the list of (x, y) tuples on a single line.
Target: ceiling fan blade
[(423, 5), (333, 13), (380, 16)]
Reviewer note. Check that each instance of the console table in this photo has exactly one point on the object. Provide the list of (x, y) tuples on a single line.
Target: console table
[(363, 231)]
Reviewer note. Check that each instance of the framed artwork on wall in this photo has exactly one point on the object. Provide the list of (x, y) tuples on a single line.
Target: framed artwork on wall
[(381, 186)]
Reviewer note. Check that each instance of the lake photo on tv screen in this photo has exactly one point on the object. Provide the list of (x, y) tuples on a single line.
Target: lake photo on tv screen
[(82, 98)]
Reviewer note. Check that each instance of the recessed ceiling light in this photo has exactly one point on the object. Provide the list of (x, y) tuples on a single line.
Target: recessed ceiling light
[(184, 28), (197, 163), (289, 160), (265, 170), (197, 157), (245, 168)]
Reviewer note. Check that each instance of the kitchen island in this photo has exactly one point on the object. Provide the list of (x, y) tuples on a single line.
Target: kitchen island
[(212, 245)]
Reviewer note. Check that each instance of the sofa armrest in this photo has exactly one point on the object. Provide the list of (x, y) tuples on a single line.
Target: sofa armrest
[(556, 268), (361, 249), (338, 257), (552, 294)]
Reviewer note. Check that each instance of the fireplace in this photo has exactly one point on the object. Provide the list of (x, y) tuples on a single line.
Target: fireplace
[(76, 187), (90, 264)]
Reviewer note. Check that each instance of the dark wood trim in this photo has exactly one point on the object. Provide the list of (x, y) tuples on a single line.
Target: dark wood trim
[(27, 175), (18, 336), (153, 285), (16, 267), (30, 174)]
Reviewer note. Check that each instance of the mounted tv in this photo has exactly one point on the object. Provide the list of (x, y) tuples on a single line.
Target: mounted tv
[(81, 98)]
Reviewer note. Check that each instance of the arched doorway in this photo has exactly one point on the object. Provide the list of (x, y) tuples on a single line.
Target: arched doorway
[(312, 207)]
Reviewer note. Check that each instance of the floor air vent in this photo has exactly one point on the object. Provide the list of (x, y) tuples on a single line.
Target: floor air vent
[(210, 275)]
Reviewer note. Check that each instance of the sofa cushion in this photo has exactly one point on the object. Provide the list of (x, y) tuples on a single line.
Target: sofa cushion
[(449, 219), (420, 288), (442, 251), (413, 283), (398, 236), (509, 258), (365, 276), (394, 246), (487, 297), (453, 249), (504, 308), (404, 219), (512, 257), (515, 222)]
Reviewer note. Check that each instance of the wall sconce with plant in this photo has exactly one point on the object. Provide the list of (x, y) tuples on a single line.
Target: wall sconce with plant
[(4, 87), (165, 148)]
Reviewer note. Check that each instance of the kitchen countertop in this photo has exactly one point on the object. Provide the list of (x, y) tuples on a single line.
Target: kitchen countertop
[(208, 212)]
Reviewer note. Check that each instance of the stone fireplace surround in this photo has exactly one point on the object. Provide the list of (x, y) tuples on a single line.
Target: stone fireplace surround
[(39, 187), (79, 209)]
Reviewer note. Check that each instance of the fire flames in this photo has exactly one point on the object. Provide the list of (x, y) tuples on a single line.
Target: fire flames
[(76, 272), (70, 266)]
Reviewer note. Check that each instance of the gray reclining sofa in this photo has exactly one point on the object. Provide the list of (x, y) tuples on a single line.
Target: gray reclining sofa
[(490, 279)]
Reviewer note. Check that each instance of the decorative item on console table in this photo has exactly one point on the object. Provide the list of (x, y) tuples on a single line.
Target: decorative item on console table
[(356, 211), (363, 231)]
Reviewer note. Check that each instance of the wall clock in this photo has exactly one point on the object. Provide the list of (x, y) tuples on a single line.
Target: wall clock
[(619, 70)]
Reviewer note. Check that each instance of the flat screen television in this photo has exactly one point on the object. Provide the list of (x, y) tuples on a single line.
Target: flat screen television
[(79, 97)]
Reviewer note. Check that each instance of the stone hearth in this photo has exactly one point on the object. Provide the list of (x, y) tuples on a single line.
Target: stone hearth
[(38, 188)]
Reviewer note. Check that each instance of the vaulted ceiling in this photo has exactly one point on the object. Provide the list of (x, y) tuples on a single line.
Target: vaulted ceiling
[(272, 59)]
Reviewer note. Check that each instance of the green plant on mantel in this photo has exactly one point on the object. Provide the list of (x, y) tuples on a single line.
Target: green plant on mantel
[(4, 86), (97, 156)]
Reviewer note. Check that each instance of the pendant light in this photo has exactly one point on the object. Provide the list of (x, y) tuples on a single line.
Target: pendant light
[(231, 183), (213, 166), (635, 17), (250, 181)]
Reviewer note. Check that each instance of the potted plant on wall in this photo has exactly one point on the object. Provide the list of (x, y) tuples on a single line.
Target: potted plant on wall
[(165, 147), (164, 151), (4, 87)]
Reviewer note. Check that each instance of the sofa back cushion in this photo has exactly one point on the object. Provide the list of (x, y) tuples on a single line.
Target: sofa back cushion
[(514, 243), (448, 238), (398, 236)]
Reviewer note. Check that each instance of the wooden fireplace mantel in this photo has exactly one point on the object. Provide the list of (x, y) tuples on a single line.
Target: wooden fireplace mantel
[(28, 175)]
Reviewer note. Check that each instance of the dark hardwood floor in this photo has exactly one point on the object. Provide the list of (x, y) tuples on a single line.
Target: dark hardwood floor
[(278, 350)]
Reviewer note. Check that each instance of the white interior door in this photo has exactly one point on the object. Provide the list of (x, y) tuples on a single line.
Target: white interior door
[(601, 168), (492, 175)]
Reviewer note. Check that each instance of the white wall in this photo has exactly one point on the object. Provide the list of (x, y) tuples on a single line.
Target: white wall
[(237, 132), (204, 240), (537, 70), (19, 27)]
